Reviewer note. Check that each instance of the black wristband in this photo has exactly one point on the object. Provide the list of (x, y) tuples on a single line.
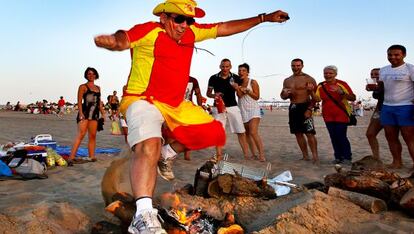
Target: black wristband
[(262, 17)]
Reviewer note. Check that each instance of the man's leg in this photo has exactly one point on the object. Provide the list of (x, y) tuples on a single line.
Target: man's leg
[(313, 144), (407, 133), (143, 175), (168, 154), (300, 138), (187, 155), (144, 135), (391, 134), (373, 129), (236, 126), (143, 171), (222, 118)]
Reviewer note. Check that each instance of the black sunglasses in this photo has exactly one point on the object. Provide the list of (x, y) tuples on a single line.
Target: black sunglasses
[(179, 19)]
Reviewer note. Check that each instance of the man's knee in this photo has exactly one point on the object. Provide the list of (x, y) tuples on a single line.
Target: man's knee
[(148, 148), (299, 135), (370, 135)]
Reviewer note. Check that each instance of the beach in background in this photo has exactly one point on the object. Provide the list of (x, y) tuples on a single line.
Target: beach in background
[(70, 199)]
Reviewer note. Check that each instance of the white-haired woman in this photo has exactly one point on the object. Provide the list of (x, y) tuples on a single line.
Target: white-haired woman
[(335, 95)]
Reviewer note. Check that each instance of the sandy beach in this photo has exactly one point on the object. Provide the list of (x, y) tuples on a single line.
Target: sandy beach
[(70, 200)]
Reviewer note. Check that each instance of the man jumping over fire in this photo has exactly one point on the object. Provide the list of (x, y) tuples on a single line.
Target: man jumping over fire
[(161, 58)]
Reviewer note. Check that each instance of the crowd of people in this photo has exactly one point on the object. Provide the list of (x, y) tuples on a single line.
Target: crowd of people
[(59, 108)]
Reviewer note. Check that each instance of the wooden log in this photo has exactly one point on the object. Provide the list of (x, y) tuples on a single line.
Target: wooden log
[(235, 185), (367, 185), (121, 210), (381, 174), (371, 204), (214, 189), (407, 201), (335, 180), (399, 188)]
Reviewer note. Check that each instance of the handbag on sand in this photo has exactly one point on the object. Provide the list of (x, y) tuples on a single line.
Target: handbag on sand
[(24, 164)]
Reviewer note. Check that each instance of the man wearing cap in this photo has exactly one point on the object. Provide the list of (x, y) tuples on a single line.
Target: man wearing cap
[(161, 57)]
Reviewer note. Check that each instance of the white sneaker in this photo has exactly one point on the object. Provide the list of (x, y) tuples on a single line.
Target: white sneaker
[(146, 223), (165, 169)]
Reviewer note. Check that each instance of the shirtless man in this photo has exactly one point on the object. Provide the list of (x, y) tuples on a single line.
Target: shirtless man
[(298, 88), (114, 103)]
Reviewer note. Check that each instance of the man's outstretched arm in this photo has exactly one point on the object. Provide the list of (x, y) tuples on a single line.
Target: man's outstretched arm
[(236, 26), (117, 41)]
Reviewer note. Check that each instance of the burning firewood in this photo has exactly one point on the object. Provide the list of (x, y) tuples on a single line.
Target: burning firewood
[(233, 229), (179, 218), (123, 207)]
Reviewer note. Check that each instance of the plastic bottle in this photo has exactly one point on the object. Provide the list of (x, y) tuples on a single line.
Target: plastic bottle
[(221, 107)]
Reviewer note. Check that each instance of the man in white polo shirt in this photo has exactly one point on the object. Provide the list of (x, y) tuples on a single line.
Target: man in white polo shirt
[(397, 114)]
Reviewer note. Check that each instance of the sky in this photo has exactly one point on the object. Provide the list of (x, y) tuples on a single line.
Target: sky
[(48, 44)]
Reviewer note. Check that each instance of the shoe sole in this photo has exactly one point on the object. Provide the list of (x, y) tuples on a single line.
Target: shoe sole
[(162, 176)]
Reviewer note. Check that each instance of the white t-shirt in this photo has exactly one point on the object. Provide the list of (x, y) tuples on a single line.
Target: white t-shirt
[(398, 84)]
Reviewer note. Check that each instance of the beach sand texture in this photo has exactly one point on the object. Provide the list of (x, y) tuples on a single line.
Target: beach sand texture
[(70, 200)]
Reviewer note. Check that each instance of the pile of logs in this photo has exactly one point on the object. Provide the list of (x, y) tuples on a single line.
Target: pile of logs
[(371, 186)]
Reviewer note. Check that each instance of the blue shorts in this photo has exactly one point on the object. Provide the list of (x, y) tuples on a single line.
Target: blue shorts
[(397, 115)]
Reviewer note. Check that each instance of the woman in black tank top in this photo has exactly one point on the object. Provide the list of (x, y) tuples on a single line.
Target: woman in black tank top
[(89, 106)]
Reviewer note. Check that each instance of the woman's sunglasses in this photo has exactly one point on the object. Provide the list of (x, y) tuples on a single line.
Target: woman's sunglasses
[(179, 19)]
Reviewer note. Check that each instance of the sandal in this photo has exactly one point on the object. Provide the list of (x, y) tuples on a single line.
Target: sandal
[(91, 159), (70, 162)]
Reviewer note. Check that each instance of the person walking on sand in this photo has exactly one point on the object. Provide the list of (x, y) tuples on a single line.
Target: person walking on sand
[(299, 88), (224, 85), (397, 82), (161, 55), (89, 106), (114, 105), (248, 93), (61, 106), (374, 126)]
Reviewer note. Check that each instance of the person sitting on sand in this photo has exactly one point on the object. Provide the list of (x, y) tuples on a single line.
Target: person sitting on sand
[(8, 106), (17, 107)]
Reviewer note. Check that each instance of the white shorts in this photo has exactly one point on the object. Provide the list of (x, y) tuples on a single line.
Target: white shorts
[(234, 117), (144, 122)]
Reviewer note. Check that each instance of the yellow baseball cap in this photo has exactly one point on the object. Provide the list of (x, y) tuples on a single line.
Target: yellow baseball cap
[(181, 7)]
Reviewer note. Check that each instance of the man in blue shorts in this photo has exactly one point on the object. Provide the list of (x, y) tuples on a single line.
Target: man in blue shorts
[(397, 81)]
